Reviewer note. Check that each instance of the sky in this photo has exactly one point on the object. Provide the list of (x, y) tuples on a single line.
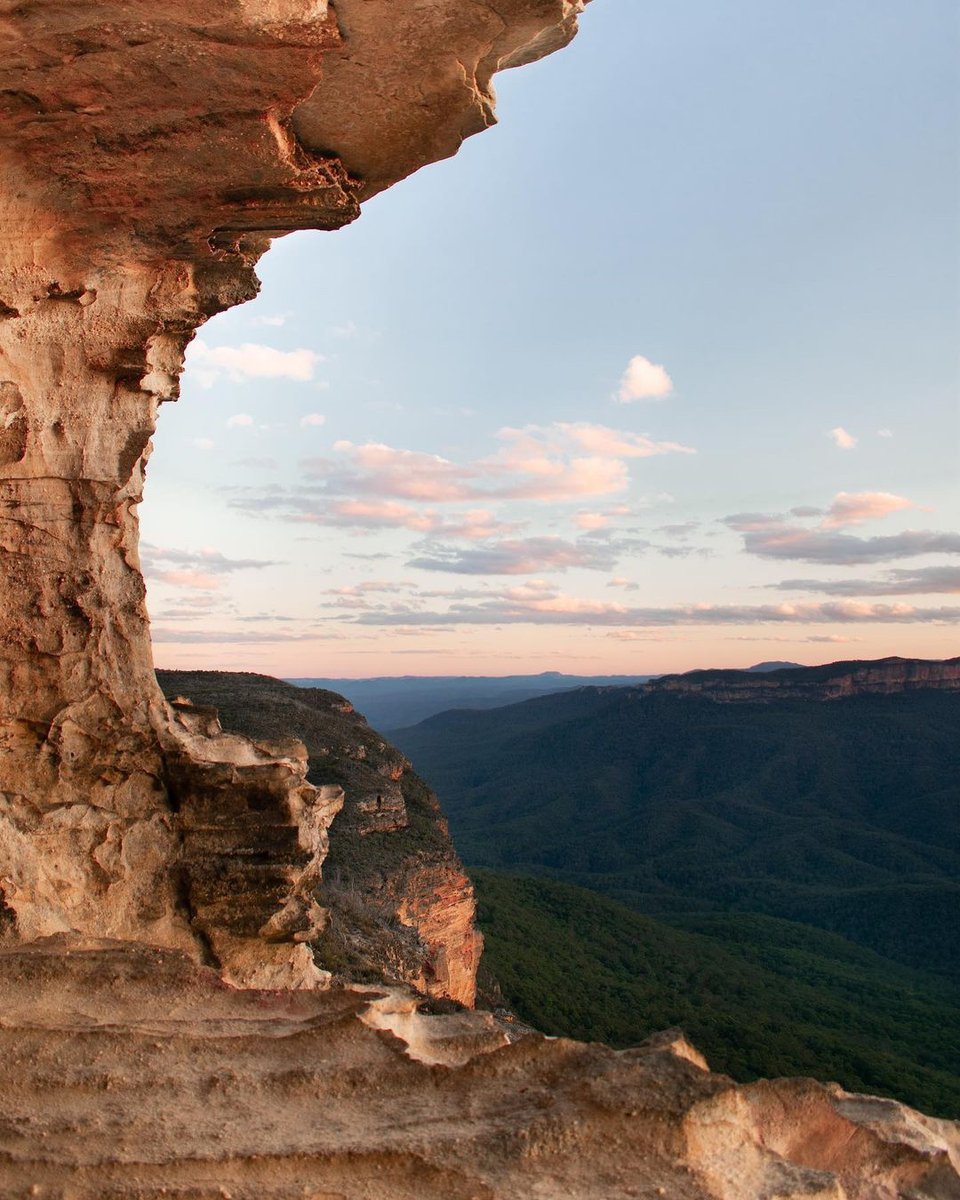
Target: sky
[(660, 372)]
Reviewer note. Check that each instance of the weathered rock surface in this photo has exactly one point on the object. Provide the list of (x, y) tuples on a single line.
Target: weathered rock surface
[(879, 677), (131, 1072), (151, 151), (396, 902)]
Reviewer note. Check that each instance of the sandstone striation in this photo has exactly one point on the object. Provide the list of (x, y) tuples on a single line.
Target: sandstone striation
[(834, 681), (396, 902), (151, 151), (131, 1072)]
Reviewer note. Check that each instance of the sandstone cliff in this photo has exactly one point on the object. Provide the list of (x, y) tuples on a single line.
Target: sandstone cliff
[(152, 150), (397, 903), (880, 677)]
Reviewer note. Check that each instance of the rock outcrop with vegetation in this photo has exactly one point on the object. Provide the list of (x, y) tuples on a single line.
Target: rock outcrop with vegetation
[(396, 903)]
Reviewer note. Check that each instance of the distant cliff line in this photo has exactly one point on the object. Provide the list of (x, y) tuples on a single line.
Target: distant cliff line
[(832, 681)]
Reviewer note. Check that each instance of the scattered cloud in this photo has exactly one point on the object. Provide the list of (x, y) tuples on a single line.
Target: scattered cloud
[(917, 581), (842, 439), (591, 520), (312, 420), (274, 321), (203, 443), (249, 361), (239, 421), (885, 433), (379, 486), (643, 380)]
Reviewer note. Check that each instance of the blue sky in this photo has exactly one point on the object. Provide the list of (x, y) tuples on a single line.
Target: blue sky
[(660, 372)]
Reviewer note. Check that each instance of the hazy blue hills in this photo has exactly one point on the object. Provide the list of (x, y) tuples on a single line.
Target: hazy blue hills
[(404, 700), (843, 815), (391, 702)]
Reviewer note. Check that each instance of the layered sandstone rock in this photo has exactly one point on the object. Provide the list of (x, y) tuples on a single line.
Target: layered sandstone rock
[(130, 1072), (882, 677), (151, 151), (396, 902)]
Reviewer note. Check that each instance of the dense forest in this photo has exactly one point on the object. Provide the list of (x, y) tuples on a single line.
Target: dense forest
[(758, 996), (780, 879)]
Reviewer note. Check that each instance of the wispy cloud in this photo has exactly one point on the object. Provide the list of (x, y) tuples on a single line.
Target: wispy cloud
[(644, 380), (200, 569), (775, 535), (559, 609), (917, 581), (239, 421), (521, 556), (249, 361), (845, 549), (374, 485), (223, 637), (312, 420)]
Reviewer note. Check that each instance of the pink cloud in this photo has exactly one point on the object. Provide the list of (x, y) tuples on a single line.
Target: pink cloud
[(408, 474), (189, 579), (614, 443), (851, 508)]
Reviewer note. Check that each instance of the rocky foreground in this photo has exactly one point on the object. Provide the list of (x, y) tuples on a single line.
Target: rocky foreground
[(131, 1072)]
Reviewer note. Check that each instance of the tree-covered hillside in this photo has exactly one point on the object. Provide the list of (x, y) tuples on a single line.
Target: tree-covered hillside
[(843, 815), (758, 996)]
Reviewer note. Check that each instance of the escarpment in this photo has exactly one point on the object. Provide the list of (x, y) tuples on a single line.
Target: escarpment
[(833, 681), (151, 151)]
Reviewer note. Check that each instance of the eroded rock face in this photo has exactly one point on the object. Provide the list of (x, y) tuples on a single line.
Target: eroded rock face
[(152, 149), (396, 902), (130, 1072)]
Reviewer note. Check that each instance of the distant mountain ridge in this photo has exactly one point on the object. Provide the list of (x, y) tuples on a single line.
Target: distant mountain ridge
[(774, 681), (391, 701)]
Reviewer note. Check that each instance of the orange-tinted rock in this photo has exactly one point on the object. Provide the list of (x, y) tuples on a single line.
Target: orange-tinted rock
[(398, 903), (151, 150), (129, 1072)]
